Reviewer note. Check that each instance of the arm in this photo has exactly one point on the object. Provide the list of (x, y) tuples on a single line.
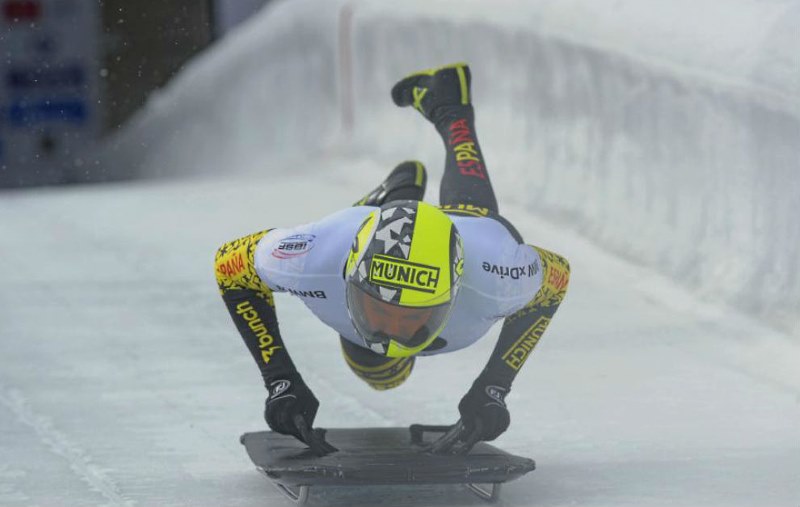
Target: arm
[(252, 306), (291, 406), (484, 415), (523, 329)]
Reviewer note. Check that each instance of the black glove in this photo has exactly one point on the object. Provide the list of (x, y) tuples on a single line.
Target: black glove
[(483, 410), (484, 416), (291, 408)]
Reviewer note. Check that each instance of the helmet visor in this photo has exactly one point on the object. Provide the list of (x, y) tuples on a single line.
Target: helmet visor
[(380, 322)]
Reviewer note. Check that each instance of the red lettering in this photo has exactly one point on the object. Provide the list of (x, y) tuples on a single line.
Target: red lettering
[(472, 168), (232, 266), (460, 137), (459, 125), (469, 164), (557, 279), (459, 133)]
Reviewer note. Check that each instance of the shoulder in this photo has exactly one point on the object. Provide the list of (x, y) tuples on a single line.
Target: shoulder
[(498, 266), (308, 249)]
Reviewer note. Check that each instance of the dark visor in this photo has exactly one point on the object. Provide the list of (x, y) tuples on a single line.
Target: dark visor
[(379, 322)]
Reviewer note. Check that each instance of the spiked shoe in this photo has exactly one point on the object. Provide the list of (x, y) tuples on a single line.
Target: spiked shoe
[(435, 92)]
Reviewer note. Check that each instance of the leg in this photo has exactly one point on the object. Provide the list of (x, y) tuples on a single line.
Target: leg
[(406, 181), (443, 96), (380, 372)]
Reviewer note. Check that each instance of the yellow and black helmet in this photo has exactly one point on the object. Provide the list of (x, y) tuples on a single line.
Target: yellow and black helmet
[(402, 276)]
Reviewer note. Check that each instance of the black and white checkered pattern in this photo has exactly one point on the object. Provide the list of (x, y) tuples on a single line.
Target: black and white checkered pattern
[(393, 236)]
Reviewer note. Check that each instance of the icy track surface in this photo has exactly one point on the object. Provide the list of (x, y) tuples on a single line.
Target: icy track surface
[(123, 381)]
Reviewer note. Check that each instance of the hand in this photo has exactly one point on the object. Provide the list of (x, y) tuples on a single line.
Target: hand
[(484, 416), (291, 408)]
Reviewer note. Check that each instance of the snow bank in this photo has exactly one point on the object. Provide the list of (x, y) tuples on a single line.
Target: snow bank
[(667, 131)]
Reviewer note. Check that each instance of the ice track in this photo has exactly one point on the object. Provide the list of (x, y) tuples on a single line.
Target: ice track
[(123, 383)]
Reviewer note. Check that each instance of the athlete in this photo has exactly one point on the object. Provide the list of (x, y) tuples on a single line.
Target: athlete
[(398, 278)]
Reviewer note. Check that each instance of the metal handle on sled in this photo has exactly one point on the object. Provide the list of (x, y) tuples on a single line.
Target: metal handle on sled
[(418, 430), (488, 492)]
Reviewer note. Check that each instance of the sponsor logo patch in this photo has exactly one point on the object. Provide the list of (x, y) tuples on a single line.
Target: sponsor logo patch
[(279, 387), (402, 274), (266, 342), (497, 393), (294, 246), (317, 294), (515, 272)]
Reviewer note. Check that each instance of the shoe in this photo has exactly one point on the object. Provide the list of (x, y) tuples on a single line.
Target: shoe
[(429, 91), (406, 181)]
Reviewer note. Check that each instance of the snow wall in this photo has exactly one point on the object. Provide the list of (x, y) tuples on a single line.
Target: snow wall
[(667, 131)]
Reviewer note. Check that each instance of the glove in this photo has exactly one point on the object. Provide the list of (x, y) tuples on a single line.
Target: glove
[(291, 408), (289, 397), (484, 416), (483, 410)]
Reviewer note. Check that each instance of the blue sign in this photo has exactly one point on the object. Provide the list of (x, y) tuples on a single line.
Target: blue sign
[(23, 113)]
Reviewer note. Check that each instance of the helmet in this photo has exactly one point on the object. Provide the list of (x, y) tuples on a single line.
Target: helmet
[(402, 276)]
